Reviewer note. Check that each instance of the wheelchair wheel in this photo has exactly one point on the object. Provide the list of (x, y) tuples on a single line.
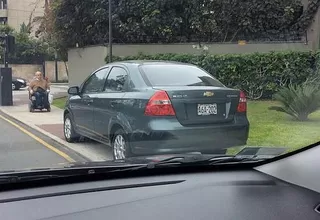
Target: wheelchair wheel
[(31, 109)]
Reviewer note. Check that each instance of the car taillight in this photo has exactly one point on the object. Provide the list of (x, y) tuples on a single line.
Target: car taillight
[(159, 105), (242, 106)]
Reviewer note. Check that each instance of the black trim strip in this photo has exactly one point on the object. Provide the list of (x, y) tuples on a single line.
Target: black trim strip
[(90, 191)]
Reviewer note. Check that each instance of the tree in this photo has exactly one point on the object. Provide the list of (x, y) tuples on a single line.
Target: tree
[(6, 29), (166, 21), (46, 32), (28, 50), (45, 22)]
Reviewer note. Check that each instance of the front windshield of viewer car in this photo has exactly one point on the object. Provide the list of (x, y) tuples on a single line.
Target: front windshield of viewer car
[(124, 83)]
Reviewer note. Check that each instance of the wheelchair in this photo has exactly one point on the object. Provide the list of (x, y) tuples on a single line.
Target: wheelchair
[(45, 104)]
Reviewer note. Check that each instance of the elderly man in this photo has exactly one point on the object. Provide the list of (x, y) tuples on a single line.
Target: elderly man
[(39, 88)]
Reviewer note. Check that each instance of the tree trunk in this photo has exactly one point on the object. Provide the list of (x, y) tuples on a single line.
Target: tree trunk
[(66, 66)]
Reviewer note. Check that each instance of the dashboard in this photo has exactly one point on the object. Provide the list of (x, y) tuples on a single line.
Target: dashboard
[(244, 194)]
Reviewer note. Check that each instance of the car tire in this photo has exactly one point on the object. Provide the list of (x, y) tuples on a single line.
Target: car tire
[(31, 109), (120, 145), (68, 130), (18, 86), (30, 106)]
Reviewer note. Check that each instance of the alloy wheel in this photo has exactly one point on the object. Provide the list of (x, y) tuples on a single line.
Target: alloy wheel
[(67, 128), (119, 147)]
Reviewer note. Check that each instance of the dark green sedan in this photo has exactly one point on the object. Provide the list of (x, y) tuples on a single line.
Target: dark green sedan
[(156, 107)]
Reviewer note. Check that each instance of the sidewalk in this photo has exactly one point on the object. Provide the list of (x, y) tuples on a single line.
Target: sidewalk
[(51, 124), (59, 84)]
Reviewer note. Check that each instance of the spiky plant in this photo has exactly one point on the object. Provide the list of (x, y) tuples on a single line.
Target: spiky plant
[(298, 101)]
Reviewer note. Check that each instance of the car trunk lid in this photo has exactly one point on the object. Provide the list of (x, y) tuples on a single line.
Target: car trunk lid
[(203, 104)]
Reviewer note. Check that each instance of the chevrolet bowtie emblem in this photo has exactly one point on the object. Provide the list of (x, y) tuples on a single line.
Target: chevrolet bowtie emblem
[(208, 94)]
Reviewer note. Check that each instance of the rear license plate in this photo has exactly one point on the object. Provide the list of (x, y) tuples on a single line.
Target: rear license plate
[(207, 109)]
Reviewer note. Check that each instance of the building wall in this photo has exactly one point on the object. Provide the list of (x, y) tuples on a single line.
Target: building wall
[(20, 11), (51, 73), (27, 71), (83, 61), (223, 48)]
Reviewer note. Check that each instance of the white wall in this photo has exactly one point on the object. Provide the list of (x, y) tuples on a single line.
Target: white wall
[(83, 61)]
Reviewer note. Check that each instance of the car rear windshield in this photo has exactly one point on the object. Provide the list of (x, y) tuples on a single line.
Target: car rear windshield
[(178, 75)]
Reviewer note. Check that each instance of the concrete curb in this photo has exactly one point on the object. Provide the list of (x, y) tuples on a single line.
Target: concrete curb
[(66, 87), (60, 95), (73, 147), (60, 84)]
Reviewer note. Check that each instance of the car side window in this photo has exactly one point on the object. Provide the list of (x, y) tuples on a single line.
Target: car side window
[(96, 82), (116, 80)]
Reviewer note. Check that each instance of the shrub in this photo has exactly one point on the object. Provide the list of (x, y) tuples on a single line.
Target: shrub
[(260, 75), (299, 101)]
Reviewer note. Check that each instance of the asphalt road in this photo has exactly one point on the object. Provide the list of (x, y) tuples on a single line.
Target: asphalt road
[(23, 148), (92, 150)]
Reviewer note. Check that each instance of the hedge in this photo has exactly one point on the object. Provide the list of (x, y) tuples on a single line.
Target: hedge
[(260, 75)]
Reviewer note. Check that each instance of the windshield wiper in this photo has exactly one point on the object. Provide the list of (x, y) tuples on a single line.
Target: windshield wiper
[(247, 155), (203, 160), (99, 168)]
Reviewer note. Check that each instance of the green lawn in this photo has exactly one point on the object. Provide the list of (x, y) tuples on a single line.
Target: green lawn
[(271, 128), (59, 102)]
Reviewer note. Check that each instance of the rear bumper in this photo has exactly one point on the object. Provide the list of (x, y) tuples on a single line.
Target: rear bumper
[(180, 139)]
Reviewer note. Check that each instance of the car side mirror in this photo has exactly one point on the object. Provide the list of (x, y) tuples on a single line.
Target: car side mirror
[(74, 90)]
